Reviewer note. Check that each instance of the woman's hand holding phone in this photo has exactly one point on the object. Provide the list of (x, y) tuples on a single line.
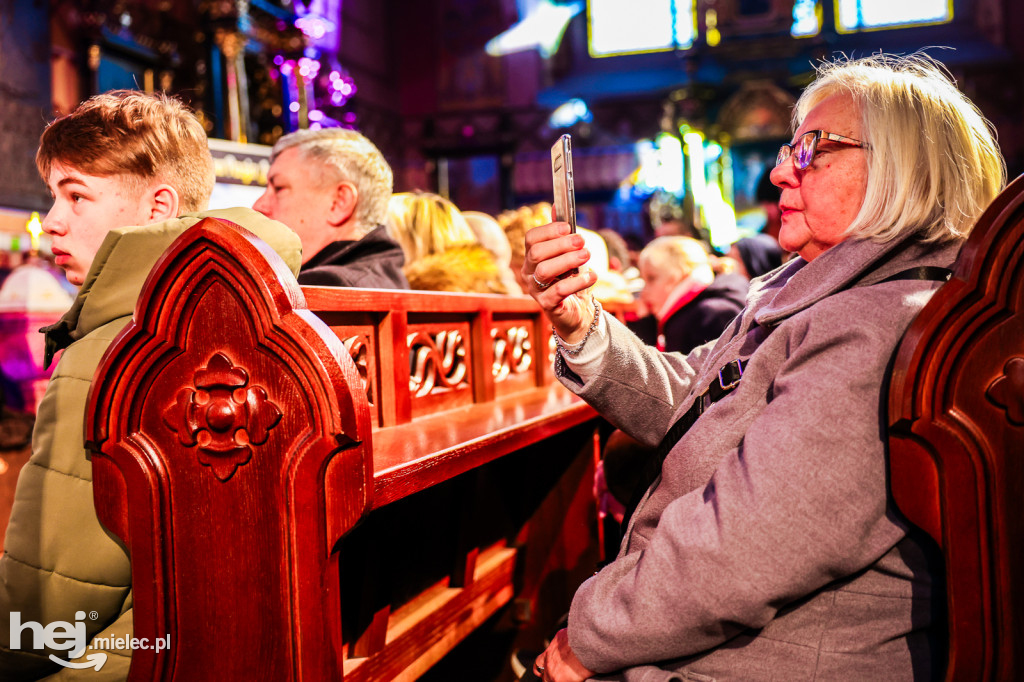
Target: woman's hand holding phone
[(554, 256)]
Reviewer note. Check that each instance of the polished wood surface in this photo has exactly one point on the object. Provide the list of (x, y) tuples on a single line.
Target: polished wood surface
[(299, 474), (434, 448), (217, 421), (956, 413)]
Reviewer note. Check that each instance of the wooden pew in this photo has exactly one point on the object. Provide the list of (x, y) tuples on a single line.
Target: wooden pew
[(328, 484), (956, 415)]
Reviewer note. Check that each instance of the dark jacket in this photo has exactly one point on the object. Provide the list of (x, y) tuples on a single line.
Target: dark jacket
[(760, 254), (373, 262), (699, 321)]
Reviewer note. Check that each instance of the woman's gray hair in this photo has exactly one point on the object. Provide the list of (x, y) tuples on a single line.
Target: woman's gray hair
[(933, 162), (351, 157)]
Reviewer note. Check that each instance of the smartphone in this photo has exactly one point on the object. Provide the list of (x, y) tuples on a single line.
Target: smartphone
[(561, 176)]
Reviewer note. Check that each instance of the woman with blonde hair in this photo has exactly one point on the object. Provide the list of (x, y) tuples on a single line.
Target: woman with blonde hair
[(425, 223), (688, 303), (442, 253), (766, 544)]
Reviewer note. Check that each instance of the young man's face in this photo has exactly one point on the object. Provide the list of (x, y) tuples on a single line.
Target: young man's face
[(85, 208)]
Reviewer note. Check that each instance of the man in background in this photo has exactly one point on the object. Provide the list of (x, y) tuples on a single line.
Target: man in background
[(332, 187)]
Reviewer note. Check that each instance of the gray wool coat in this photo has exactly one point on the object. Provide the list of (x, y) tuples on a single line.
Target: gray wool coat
[(769, 547)]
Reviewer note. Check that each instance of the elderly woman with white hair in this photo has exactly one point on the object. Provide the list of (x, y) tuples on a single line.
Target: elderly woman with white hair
[(766, 545), (689, 304)]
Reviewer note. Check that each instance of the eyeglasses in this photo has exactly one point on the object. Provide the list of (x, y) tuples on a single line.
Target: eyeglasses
[(807, 144)]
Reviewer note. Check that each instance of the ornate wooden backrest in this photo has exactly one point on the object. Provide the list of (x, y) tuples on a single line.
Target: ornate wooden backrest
[(956, 414), (224, 383), (424, 352)]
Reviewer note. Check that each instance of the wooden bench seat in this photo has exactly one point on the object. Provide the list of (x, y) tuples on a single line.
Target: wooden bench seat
[(442, 616), (956, 416), (326, 484), (318, 484), (434, 448)]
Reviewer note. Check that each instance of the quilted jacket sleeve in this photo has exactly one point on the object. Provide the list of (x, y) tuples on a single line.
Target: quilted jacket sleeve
[(58, 559)]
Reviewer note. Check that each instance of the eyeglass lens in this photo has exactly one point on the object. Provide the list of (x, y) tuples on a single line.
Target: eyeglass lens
[(804, 150)]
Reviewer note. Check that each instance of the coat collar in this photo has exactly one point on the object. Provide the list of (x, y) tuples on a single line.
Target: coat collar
[(375, 241), (800, 284)]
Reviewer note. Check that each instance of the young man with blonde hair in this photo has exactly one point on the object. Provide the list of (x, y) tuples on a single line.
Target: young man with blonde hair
[(332, 187), (129, 173)]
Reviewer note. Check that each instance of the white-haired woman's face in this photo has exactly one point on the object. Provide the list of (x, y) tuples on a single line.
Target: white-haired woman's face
[(658, 284), (819, 202)]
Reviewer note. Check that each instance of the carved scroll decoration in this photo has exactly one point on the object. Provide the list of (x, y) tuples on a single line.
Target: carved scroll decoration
[(1007, 391), (511, 352), (438, 361), (222, 416), (357, 348)]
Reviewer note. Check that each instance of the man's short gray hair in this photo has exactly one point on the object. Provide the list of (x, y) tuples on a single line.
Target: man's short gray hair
[(933, 162), (348, 155)]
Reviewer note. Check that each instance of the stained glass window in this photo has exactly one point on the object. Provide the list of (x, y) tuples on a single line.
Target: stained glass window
[(806, 18), (858, 15), (617, 27)]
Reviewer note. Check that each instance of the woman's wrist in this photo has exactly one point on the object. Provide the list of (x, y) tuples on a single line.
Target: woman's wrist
[(574, 344)]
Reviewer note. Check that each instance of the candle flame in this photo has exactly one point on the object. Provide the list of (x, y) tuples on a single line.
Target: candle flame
[(35, 228)]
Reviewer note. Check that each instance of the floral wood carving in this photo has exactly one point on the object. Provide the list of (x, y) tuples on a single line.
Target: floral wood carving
[(223, 416), (511, 352), (1007, 391), (437, 361), (357, 348)]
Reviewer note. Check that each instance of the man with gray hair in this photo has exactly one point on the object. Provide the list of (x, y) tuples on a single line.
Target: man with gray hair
[(332, 187)]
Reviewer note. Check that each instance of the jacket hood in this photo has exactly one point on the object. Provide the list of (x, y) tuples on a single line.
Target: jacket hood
[(800, 284), (128, 254)]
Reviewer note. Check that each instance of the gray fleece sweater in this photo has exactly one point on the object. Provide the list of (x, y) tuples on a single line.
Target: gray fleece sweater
[(769, 548)]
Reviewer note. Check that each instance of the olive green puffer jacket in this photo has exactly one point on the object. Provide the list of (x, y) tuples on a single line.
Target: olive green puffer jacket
[(58, 559)]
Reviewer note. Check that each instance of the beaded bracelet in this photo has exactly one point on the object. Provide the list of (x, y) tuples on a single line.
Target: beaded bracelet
[(576, 349)]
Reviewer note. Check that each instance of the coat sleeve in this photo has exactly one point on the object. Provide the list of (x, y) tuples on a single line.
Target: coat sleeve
[(58, 559), (802, 502), (636, 387)]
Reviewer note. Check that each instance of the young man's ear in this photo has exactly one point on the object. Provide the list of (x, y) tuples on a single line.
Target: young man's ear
[(163, 203), (343, 203)]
